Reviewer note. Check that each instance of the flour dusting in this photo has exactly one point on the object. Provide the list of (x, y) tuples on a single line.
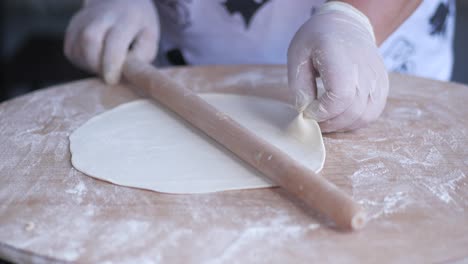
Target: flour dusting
[(78, 191), (405, 169)]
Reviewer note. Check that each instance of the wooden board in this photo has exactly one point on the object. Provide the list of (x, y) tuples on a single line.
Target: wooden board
[(409, 170)]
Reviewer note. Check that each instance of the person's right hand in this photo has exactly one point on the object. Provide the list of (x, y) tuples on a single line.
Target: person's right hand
[(101, 34)]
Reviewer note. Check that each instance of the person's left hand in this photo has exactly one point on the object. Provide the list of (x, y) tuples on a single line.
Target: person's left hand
[(337, 44)]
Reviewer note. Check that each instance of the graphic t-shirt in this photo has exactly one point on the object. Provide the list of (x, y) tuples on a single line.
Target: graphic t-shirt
[(259, 32)]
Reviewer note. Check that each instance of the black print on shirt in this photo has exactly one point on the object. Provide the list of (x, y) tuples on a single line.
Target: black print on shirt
[(247, 8), (438, 20), (399, 56), (177, 11)]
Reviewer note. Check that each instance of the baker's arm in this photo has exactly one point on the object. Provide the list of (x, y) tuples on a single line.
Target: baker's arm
[(385, 15)]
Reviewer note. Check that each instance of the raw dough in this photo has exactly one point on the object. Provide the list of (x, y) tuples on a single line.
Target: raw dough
[(141, 144)]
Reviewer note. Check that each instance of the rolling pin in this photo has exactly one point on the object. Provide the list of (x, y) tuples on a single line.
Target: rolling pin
[(299, 181)]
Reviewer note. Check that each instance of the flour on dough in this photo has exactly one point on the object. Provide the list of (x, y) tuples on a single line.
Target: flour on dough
[(141, 144)]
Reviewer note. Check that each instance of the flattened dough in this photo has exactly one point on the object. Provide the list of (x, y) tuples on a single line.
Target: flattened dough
[(141, 144)]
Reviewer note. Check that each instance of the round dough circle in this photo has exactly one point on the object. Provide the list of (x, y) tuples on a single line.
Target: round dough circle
[(141, 144)]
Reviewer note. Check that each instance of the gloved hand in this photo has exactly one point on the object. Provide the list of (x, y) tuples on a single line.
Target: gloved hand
[(100, 35), (337, 44)]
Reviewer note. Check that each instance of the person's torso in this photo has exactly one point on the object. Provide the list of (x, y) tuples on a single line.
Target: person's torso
[(423, 44), (259, 32), (231, 31)]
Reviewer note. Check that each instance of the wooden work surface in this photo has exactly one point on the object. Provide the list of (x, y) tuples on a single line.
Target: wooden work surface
[(409, 170)]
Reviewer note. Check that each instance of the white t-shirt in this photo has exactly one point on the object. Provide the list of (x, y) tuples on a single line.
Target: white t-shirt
[(259, 32), (423, 44)]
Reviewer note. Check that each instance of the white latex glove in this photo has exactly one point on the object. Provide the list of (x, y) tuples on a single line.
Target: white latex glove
[(100, 35), (337, 44)]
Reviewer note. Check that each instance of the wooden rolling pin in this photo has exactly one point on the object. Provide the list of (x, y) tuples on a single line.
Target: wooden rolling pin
[(296, 179)]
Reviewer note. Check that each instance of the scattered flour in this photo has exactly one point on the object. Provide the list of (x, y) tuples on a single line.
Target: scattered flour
[(78, 191)]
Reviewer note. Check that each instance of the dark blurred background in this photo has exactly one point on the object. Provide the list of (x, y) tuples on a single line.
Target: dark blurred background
[(32, 37), (31, 45)]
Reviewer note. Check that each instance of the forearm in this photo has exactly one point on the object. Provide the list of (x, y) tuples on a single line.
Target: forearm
[(385, 15)]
